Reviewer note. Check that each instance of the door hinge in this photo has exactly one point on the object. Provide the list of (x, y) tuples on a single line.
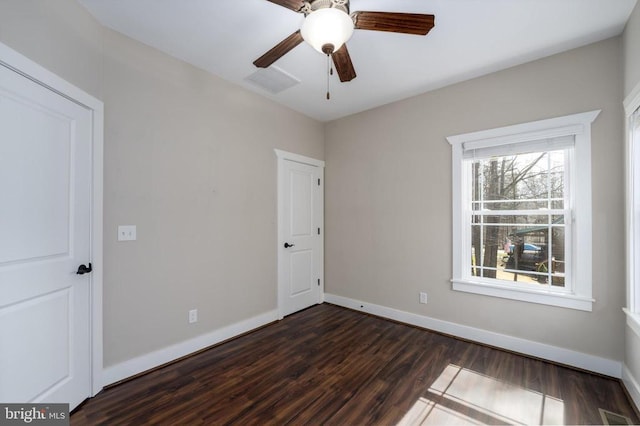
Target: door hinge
[(318, 181), (318, 231), (318, 281)]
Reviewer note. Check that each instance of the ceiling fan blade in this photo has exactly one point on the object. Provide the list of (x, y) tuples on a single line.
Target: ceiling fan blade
[(294, 5), (279, 50), (344, 66), (407, 23)]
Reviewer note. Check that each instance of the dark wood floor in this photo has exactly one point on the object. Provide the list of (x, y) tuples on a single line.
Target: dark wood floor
[(329, 365)]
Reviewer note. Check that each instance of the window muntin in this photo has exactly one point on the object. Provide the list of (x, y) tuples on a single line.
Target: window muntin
[(517, 222)]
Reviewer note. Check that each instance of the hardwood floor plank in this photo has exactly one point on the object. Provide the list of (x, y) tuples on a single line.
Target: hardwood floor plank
[(330, 365)]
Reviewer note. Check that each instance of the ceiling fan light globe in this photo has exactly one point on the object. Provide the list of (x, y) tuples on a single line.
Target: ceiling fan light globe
[(327, 26)]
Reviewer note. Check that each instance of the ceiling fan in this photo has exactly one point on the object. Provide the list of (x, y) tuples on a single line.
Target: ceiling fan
[(328, 25)]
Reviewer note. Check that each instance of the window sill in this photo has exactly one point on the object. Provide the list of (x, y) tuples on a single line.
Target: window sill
[(633, 320), (570, 301)]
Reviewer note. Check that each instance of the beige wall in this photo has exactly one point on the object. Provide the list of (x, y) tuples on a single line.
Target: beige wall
[(388, 197), (631, 43), (59, 35), (188, 159)]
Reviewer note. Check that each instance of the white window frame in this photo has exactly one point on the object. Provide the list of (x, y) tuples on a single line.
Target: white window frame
[(631, 108), (580, 294)]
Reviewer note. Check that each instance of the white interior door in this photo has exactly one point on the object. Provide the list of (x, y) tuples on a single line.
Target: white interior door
[(45, 222), (300, 276)]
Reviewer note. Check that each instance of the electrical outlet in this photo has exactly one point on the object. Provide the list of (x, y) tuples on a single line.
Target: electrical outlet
[(126, 233), (193, 316), (423, 297)]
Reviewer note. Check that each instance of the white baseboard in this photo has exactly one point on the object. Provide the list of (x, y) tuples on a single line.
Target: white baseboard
[(527, 347), (151, 360), (631, 383)]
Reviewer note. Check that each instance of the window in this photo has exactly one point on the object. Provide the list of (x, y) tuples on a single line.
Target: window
[(632, 109), (522, 212)]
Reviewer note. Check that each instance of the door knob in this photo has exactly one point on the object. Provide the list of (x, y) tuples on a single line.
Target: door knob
[(287, 245), (83, 269)]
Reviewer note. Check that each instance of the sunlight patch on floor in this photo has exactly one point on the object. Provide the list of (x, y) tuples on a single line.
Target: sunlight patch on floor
[(463, 396), (426, 412)]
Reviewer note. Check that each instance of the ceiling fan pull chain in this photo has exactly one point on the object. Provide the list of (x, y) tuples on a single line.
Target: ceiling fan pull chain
[(329, 73)]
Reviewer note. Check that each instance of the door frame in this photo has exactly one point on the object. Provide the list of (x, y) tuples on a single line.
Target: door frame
[(24, 66), (289, 156)]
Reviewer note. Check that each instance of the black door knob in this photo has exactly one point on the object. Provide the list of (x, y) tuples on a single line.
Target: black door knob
[(287, 245), (83, 269)]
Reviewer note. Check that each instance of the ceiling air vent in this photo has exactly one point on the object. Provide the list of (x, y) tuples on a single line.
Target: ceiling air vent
[(272, 79)]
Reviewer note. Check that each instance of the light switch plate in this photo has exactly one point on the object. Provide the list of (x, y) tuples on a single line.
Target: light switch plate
[(126, 233)]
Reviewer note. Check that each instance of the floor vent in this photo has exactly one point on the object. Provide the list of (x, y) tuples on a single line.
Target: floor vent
[(272, 79), (610, 418)]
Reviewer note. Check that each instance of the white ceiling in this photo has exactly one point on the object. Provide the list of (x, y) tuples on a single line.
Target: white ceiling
[(470, 38)]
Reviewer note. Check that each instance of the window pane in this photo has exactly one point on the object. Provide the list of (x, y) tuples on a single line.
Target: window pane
[(526, 259), (476, 180), (517, 182), (556, 175), (528, 177), (516, 222), (503, 248), (512, 205), (558, 256)]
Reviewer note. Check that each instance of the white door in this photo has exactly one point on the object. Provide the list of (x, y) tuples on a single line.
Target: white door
[(45, 196), (300, 270)]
